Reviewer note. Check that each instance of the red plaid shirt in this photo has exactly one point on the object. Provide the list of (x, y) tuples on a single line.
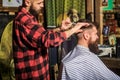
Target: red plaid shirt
[(30, 43)]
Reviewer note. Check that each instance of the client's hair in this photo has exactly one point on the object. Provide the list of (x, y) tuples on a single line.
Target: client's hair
[(90, 26)]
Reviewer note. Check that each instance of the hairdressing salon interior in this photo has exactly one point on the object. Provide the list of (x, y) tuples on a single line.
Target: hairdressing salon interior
[(105, 12)]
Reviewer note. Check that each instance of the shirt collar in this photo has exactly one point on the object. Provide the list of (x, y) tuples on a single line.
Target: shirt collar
[(26, 12)]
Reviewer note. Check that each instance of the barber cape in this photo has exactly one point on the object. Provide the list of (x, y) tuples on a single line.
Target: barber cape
[(81, 64)]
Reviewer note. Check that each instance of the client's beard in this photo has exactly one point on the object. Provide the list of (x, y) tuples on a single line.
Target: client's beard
[(93, 47)]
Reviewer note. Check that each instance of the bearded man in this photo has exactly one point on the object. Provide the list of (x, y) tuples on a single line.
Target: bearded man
[(82, 63), (31, 41)]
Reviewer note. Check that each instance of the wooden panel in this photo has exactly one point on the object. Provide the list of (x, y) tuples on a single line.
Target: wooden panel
[(99, 17), (90, 8), (112, 62)]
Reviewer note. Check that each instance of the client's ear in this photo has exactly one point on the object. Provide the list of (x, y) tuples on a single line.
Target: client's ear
[(86, 35)]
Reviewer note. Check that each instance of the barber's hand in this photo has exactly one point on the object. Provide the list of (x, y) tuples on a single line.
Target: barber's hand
[(66, 24), (80, 25)]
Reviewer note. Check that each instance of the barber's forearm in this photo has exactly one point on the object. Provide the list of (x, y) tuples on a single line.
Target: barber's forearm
[(71, 31), (57, 29)]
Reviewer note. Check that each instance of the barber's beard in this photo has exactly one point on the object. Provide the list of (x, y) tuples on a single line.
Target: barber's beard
[(34, 12), (93, 46)]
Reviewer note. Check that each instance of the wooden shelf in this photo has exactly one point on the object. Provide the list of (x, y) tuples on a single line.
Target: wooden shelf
[(8, 9)]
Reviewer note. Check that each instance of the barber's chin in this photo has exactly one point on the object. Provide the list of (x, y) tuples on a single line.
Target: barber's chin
[(35, 14)]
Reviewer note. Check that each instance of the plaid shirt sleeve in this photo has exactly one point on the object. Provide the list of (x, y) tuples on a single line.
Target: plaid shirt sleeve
[(34, 33)]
